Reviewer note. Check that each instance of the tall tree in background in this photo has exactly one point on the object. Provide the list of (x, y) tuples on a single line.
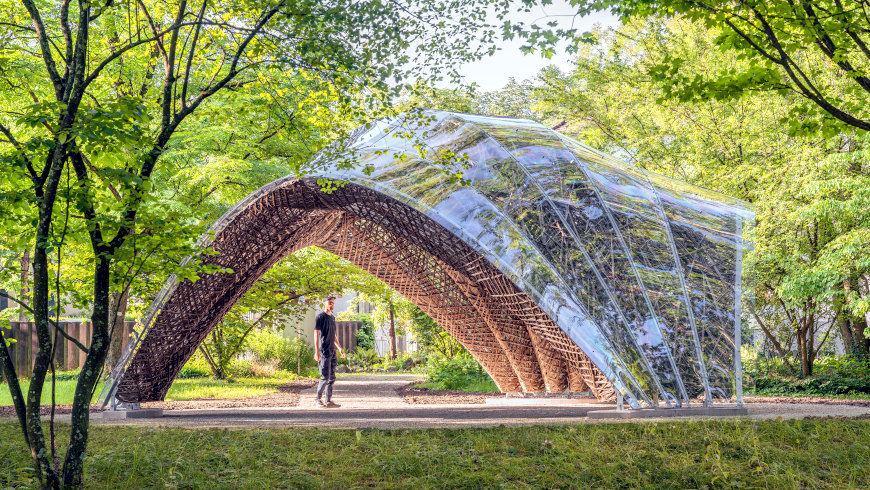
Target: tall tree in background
[(96, 94), (791, 47)]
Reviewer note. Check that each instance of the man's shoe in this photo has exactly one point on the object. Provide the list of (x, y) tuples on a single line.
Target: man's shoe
[(332, 404), (319, 403)]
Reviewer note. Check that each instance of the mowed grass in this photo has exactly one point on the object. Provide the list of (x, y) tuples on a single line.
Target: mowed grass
[(64, 390), (821, 453), (191, 389), (181, 389)]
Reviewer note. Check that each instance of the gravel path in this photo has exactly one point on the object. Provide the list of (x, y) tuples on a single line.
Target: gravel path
[(376, 401)]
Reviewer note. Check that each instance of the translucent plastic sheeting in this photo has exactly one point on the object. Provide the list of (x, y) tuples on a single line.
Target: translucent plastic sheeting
[(640, 272), (646, 265)]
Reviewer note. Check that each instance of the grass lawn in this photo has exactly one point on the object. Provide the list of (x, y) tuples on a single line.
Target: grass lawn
[(182, 389), (64, 391), (823, 453)]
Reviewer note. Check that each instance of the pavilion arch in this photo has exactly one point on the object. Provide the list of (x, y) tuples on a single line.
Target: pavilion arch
[(558, 267), (516, 342)]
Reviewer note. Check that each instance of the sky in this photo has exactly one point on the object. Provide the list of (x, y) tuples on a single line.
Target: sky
[(493, 73)]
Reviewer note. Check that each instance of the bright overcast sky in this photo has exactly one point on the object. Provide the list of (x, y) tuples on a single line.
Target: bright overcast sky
[(494, 72)]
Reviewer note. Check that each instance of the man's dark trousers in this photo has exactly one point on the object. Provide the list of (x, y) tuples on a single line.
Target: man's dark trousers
[(328, 363)]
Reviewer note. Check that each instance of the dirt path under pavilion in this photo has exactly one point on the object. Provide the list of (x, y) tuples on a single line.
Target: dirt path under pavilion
[(382, 401)]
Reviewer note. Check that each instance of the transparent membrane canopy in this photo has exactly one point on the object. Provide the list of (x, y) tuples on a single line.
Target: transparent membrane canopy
[(558, 266), (648, 267)]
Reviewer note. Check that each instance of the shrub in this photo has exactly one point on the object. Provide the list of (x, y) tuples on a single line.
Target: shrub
[(196, 367), (363, 358), (404, 361), (457, 374), (365, 336), (834, 375), (286, 354), (241, 368)]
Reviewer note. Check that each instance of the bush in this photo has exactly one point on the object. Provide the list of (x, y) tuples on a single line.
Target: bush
[(241, 368), (285, 354), (459, 373), (843, 375), (404, 361), (365, 336), (196, 367), (363, 359)]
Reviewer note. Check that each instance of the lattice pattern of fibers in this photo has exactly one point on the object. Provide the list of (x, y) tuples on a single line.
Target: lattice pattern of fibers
[(503, 328)]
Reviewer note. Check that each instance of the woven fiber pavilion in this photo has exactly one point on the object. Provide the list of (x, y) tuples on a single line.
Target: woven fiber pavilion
[(558, 267)]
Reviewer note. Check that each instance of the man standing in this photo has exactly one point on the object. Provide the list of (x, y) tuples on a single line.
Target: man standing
[(325, 344)]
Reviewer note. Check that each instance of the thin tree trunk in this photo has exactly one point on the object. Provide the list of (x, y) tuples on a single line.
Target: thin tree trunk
[(73, 465), (802, 348), (25, 280), (859, 340), (117, 310), (805, 332), (392, 333), (14, 387), (773, 340), (844, 324), (36, 436), (811, 341)]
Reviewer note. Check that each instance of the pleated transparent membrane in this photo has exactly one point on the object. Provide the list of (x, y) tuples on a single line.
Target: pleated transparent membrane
[(558, 267)]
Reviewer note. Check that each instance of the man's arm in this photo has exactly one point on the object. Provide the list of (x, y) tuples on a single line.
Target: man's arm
[(340, 350), (317, 345), (317, 325)]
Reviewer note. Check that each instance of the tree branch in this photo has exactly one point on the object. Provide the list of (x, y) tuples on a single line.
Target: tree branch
[(81, 171), (44, 48), (158, 35), (773, 340), (190, 53)]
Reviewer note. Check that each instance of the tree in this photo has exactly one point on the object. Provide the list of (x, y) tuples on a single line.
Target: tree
[(98, 96), (388, 308), (792, 46)]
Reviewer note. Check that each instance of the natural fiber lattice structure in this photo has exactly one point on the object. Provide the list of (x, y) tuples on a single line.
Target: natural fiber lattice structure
[(556, 266)]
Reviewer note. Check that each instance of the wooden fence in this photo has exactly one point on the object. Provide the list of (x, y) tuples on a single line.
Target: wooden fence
[(346, 333), (66, 355)]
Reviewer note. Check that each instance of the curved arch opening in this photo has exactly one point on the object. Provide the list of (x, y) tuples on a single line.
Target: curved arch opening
[(515, 341)]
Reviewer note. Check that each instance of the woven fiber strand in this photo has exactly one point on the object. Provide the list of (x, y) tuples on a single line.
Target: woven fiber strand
[(503, 328)]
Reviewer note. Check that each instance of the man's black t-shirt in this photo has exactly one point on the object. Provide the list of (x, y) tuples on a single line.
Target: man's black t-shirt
[(326, 324)]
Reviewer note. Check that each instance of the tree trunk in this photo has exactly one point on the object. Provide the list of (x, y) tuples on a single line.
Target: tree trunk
[(73, 465), (854, 341), (802, 349), (25, 279), (860, 343), (392, 333), (805, 334), (844, 324), (8, 369), (117, 311), (36, 437)]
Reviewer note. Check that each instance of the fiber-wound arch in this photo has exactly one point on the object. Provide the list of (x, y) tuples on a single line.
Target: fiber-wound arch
[(503, 328)]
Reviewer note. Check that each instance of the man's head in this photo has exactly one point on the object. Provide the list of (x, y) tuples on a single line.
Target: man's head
[(329, 304)]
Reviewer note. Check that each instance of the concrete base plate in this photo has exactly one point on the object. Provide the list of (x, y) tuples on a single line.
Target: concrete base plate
[(644, 413), (514, 402), (141, 413)]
